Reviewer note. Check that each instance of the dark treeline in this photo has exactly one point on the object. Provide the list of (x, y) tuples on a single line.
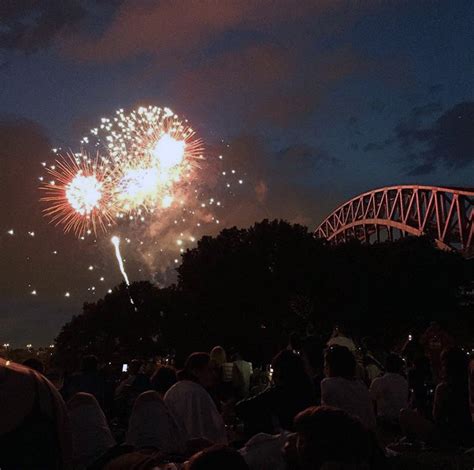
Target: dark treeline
[(248, 288)]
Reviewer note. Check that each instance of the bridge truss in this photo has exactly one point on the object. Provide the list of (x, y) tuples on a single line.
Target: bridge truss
[(444, 214)]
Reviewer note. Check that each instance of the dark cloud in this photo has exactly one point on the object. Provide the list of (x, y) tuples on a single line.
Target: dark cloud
[(447, 141), (269, 181), (266, 83), (375, 146), (24, 144), (378, 106), (436, 89), (30, 25), (184, 28), (304, 157)]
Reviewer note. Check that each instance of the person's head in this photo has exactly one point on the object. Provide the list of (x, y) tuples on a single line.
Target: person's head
[(394, 364), (134, 367), (218, 355), (89, 364), (295, 342), (339, 362), (163, 379), (313, 357), (237, 355), (326, 434), (217, 457), (34, 364), (454, 365), (198, 368), (338, 330), (288, 369)]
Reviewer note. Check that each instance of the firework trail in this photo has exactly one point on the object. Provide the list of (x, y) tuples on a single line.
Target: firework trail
[(116, 242)]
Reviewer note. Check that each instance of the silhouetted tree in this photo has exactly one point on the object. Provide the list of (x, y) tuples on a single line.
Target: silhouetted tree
[(249, 288)]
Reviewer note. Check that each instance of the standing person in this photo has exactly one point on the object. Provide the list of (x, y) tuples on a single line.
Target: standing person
[(341, 389), (129, 389), (191, 404), (390, 392), (372, 367), (434, 340), (339, 337), (34, 428), (275, 408), (241, 376), (224, 372)]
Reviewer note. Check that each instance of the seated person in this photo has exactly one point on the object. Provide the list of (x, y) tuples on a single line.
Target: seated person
[(191, 404), (217, 457), (274, 409), (390, 392), (163, 379), (91, 436), (152, 425), (34, 429), (452, 422), (330, 438), (341, 389)]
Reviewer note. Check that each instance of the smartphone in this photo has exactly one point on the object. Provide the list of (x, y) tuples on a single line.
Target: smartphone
[(125, 368)]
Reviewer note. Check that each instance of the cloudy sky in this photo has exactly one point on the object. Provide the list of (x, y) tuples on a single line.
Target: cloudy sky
[(316, 101)]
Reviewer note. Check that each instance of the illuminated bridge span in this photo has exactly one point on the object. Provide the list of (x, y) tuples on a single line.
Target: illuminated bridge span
[(444, 214)]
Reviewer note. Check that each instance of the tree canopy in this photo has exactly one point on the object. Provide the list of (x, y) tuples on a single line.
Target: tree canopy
[(248, 288)]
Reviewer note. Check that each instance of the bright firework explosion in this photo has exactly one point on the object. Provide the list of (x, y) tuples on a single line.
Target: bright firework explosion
[(151, 157), (153, 154), (79, 193), (148, 161)]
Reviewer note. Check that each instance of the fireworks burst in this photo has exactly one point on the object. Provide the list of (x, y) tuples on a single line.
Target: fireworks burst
[(79, 193), (154, 155), (149, 168)]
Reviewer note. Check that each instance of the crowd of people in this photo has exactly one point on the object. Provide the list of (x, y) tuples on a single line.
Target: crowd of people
[(335, 404)]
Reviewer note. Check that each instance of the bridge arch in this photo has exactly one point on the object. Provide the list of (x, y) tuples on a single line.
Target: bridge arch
[(444, 214)]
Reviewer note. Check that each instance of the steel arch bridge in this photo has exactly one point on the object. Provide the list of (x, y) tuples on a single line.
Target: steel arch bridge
[(444, 214)]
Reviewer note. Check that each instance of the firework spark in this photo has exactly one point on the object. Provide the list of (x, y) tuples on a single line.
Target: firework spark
[(79, 194)]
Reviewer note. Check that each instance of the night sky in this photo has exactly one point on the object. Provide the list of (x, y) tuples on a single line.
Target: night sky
[(311, 102)]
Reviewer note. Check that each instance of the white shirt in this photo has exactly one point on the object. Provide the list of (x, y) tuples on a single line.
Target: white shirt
[(350, 395), (391, 394), (245, 369), (194, 409)]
